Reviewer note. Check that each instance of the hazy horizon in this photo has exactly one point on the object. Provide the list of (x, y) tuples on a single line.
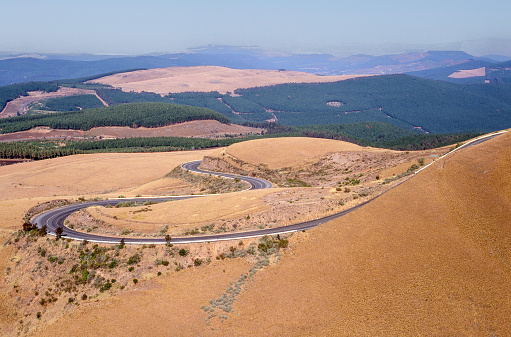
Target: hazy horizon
[(339, 28)]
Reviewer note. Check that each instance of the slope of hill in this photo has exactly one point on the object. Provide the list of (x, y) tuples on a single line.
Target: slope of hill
[(430, 257), (402, 100), (500, 72), (444, 73), (133, 115)]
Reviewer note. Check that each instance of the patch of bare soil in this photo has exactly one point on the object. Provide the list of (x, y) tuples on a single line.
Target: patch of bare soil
[(202, 129), (479, 72), (207, 79), (20, 105)]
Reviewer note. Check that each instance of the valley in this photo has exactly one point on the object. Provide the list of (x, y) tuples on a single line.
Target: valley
[(395, 236)]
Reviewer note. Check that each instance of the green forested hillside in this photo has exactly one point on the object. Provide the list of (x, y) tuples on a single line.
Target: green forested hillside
[(404, 101), (13, 91), (210, 100), (383, 135), (70, 103), (134, 115)]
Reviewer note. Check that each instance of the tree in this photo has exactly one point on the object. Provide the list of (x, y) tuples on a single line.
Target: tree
[(58, 232), (28, 226), (168, 238), (42, 231)]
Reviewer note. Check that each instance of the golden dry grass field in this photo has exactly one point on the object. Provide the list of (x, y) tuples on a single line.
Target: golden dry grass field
[(208, 78), (430, 257), (107, 175), (290, 151)]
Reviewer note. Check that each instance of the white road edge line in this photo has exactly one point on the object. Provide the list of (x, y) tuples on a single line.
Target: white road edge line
[(462, 146)]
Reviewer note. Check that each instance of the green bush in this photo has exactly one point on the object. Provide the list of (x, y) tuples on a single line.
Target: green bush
[(134, 259)]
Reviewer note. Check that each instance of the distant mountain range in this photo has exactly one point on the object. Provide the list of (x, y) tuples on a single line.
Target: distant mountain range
[(433, 64)]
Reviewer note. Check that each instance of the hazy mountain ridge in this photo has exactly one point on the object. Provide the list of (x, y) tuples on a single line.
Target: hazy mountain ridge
[(47, 67)]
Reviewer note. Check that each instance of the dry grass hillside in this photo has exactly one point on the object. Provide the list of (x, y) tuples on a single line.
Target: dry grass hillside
[(208, 78), (429, 257), (107, 175), (277, 153)]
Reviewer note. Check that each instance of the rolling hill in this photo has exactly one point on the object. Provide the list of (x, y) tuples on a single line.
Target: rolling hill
[(429, 257), (404, 101)]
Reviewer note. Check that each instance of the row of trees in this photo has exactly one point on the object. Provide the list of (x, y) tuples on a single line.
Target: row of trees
[(38, 150), (133, 115), (34, 150)]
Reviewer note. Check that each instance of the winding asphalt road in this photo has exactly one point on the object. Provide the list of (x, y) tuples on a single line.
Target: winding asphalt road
[(55, 218)]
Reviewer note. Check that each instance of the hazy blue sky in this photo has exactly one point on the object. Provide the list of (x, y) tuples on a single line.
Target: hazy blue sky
[(137, 27)]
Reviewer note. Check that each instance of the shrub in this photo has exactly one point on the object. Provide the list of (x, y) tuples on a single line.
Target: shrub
[(162, 262), (135, 281), (134, 259), (183, 252), (125, 231), (283, 243), (197, 262)]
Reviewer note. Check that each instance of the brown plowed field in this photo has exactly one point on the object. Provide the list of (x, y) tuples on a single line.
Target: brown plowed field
[(204, 129), (430, 257), (208, 78)]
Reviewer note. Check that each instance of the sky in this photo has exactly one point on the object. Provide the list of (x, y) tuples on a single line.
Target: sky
[(140, 27)]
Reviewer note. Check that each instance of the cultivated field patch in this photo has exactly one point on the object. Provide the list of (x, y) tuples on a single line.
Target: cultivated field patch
[(207, 79)]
